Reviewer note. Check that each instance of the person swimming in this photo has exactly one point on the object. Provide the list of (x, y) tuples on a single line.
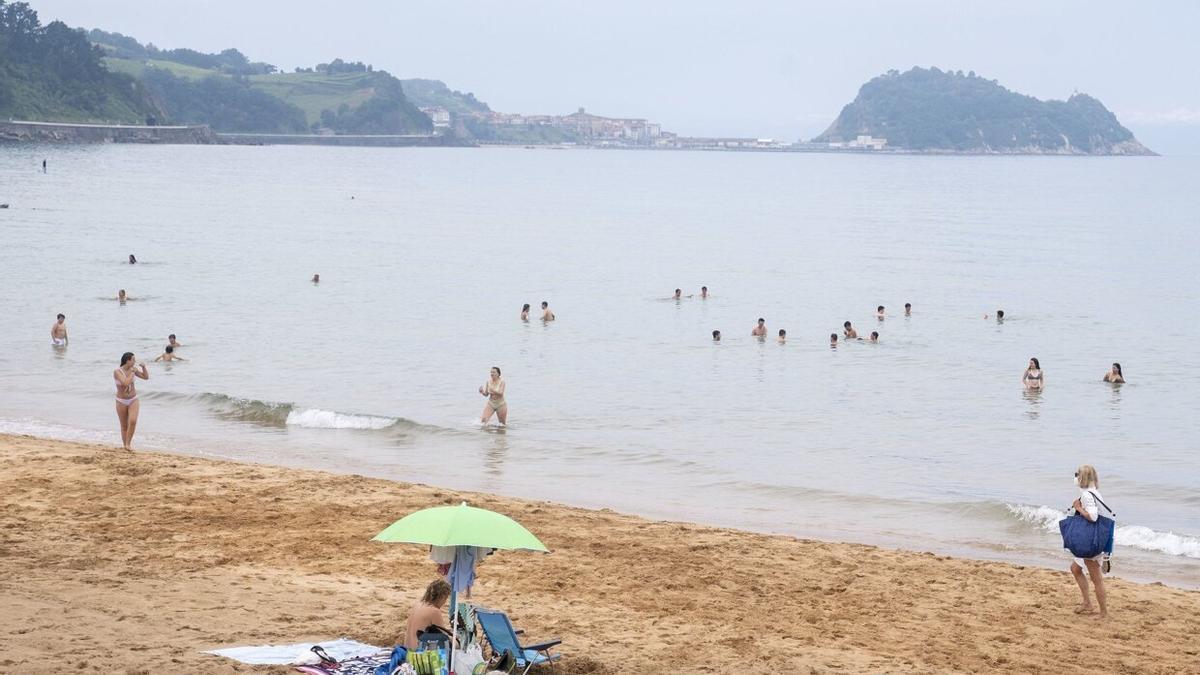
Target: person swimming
[(704, 292), (678, 294), (908, 309), (493, 389), (760, 330), (833, 340), (169, 355), (1033, 377), (874, 336), (172, 342), (999, 316), (132, 260), (547, 315), (316, 278), (782, 336), (716, 336), (849, 331), (525, 312), (58, 332), (1115, 376), (122, 297), (128, 405), (879, 312)]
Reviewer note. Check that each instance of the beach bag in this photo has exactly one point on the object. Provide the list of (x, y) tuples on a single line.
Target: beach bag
[(1085, 539), (428, 662), (466, 660)]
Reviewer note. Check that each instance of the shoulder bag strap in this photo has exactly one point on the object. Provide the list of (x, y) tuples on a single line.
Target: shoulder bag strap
[(1093, 494)]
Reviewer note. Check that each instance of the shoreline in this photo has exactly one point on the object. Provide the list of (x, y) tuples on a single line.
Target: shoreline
[(118, 560)]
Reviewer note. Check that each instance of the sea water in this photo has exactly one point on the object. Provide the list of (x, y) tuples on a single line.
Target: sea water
[(926, 440)]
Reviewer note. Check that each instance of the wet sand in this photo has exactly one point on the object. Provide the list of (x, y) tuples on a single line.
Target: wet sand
[(134, 563)]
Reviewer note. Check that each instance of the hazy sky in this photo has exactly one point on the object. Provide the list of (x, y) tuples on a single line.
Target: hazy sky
[(780, 69)]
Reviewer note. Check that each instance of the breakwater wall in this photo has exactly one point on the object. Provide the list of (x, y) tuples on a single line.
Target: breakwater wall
[(63, 132), (375, 140)]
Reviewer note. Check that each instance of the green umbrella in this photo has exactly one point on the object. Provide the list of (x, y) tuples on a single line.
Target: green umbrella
[(461, 525)]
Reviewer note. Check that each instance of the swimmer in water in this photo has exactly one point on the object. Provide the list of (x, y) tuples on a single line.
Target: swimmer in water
[(999, 316), (127, 398), (782, 336), (874, 336), (316, 278), (716, 336), (169, 355), (493, 389), (908, 309), (849, 331), (121, 297), (879, 312), (547, 315), (132, 260), (759, 331), (525, 312), (171, 341), (58, 332), (1033, 377), (833, 340), (678, 294), (1114, 375), (704, 292)]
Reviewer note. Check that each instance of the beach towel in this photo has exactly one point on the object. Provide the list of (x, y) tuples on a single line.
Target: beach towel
[(362, 665), (340, 649)]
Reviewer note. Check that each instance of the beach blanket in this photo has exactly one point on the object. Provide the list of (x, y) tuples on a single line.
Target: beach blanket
[(362, 665), (340, 649)]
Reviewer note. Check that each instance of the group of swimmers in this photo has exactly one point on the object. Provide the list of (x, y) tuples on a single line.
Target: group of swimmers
[(547, 314), (760, 329)]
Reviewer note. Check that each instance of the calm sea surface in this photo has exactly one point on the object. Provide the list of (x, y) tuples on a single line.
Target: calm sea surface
[(923, 441)]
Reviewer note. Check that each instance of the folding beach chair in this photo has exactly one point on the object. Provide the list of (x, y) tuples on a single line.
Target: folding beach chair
[(503, 638)]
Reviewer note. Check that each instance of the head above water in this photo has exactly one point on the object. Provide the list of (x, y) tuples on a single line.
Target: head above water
[(678, 292), (833, 337), (874, 335), (879, 309), (62, 317), (1035, 364), (171, 337), (316, 278), (716, 335), (436, 593), (761, 321), (846, 324), (704, 289), (1086, 477), (525, 307), (132, 260), (782, 332), (496, 371), (126, 358), (999, 314), (545, 304), (170, 349), (908, 305), (121, 293), (1116, 368)]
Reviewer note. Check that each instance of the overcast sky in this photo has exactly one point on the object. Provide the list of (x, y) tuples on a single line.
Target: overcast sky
[(780, 69)]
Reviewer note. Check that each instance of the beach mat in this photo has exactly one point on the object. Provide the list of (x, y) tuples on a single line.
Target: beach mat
[(361, 665), (281, 655)]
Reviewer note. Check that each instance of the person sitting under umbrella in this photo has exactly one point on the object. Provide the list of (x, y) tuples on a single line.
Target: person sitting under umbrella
[(428, 615)]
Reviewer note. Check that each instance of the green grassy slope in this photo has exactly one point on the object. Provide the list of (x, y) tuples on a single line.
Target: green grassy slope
[(314, 92), (29, 94)]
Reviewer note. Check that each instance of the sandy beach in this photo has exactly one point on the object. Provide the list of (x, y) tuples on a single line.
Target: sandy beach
[(135, 563)]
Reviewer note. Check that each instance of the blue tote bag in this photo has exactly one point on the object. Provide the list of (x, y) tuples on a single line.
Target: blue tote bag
[(1085, 539)]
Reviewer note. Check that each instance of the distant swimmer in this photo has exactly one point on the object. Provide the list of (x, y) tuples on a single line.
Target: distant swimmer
[(132, 259), (1114, 375), (43, 166), (833, 340), (169, 355), (782, 336), (716, 336), (58, 332), (678, 294), (849, 331), (547, 315), (121, 297), (525, 312), (316, 278), (879, 312), (908, 309), (759, 331), (172, 342), (999, 316), (493, 389), (704, 292), (127, 398), (1033, 377), (874, 336)]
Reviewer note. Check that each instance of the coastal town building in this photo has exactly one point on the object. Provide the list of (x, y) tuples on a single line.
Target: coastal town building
[(439, 116)]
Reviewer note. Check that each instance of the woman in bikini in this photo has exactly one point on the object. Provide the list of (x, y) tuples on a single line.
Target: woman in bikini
[(1115, 376), (127, 399), (1033, 375), (493, 389)]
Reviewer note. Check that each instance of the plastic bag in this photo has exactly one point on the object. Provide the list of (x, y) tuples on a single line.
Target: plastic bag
[(465, 661)]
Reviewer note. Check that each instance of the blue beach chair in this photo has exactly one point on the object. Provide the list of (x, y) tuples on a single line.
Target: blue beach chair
[(500, 635)]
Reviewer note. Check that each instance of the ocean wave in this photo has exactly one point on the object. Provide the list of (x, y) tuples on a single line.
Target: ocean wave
[(315, 418), (1133, 536)]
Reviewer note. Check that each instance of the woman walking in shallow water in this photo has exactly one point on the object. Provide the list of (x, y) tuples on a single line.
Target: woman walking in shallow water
[(493, 389), (127, 399), (1033, 378)]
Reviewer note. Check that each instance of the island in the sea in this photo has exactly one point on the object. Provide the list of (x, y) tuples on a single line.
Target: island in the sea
[(936, 111)]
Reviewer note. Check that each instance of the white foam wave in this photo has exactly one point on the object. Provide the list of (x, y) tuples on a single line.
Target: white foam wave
[(315, 418), (1133, 536)]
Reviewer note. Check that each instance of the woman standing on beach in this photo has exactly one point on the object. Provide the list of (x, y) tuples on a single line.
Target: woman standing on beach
[(127, 399), (1115, 376), (493, 389), (1087, 504), (1033, 378)]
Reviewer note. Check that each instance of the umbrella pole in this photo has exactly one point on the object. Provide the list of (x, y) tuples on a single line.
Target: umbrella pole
[(453, 630)]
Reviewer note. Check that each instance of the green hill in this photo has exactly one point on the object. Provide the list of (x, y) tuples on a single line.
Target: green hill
[(53, 73), (435, 93), (942, 111)]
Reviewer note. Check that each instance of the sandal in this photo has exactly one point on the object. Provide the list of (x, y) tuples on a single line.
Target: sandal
[(326, 659)]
